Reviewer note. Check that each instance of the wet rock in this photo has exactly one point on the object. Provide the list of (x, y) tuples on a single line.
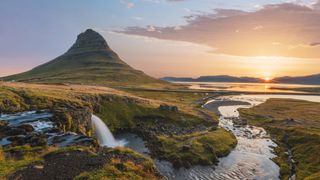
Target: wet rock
[(16, 131), (51, 130), (26, 127), (177, 162), (37, 140), (16, 138)]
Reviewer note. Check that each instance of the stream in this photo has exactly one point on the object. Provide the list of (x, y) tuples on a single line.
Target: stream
[(41, 125), (251, 159)]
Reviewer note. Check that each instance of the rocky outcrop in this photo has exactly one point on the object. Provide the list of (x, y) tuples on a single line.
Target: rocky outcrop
[(159, 125), (88, 41), (71, 118)]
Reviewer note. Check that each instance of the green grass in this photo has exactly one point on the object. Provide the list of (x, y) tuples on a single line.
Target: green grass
[(197, 148), (119, 170), (9, 163), (120, 115), (297, 120), (123, 169)]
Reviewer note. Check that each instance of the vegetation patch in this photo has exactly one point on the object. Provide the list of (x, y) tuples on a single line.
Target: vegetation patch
[(13, 159), (117, 169), (202, 148)]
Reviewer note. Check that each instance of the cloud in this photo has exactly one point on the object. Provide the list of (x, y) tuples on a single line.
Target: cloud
[(257, 27), (151, 29), (137, 18), (128, 4), (287, 29), (315, 44)]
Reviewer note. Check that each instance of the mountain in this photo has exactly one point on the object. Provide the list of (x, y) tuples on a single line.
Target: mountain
[(221, 78), (89, 61), (310, 79)]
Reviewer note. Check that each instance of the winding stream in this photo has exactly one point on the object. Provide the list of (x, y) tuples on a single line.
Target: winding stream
[(251, 159)]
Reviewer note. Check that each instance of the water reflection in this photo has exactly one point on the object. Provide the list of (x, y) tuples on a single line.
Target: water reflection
[(245, 87)]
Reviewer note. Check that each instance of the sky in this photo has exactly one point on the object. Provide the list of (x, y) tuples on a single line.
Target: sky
[(183, 38)]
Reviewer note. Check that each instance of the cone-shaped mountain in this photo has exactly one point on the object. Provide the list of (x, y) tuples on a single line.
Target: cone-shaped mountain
[(89, 61)]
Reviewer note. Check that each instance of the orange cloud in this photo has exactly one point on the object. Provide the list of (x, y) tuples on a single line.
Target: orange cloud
[(288, 30)]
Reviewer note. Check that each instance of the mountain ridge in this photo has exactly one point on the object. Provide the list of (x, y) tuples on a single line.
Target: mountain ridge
[(313, 79)]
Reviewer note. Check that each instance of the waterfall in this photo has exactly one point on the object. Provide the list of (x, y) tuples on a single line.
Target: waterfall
[(103, 133)]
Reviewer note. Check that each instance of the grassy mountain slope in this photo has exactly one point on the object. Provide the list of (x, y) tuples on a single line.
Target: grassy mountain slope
[(88, 61)]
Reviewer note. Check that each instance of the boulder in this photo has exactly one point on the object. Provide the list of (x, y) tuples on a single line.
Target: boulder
[(26, 127)]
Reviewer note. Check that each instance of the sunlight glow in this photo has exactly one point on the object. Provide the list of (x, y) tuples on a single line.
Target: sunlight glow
[(267, 79)]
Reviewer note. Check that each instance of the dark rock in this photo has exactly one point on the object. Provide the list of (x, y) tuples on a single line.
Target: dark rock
[(37, 140), (177, 162), (26, 127), (16, 131), (187, 164), (16, 138)]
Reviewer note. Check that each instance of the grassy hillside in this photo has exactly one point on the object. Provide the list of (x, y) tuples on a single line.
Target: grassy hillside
[(294, 124)]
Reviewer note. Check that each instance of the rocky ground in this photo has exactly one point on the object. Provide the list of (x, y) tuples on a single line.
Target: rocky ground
[(73, 162)]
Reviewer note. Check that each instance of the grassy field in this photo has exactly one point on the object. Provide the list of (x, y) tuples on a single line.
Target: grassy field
[(186, 101), (121, 111), (294, 124)]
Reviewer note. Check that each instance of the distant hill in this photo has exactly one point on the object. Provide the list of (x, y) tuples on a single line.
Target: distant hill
[(311, 79), (89, 61), (221, 78)]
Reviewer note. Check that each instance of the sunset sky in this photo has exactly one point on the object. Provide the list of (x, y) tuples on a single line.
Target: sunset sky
[(260, 38)]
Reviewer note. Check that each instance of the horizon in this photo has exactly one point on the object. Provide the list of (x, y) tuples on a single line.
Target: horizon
[(224, 41)]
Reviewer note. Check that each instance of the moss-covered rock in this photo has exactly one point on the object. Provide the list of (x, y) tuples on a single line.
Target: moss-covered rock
[(202, 148)]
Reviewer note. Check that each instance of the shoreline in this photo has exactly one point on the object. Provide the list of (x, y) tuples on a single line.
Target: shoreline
[(219, 92)]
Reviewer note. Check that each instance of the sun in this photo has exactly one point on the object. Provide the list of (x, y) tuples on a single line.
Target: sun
[(267, 79)]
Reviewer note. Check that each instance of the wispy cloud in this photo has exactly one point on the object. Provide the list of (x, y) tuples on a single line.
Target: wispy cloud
[(288, 29), (128, 4)]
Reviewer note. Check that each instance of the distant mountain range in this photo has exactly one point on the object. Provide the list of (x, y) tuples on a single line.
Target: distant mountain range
[(311, 79), (89, 61)]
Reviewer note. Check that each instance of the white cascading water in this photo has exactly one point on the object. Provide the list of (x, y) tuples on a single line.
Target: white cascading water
[(103, 133)]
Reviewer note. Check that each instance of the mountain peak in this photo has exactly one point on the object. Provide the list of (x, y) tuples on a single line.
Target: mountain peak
[(88, 41), (89, 61)]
